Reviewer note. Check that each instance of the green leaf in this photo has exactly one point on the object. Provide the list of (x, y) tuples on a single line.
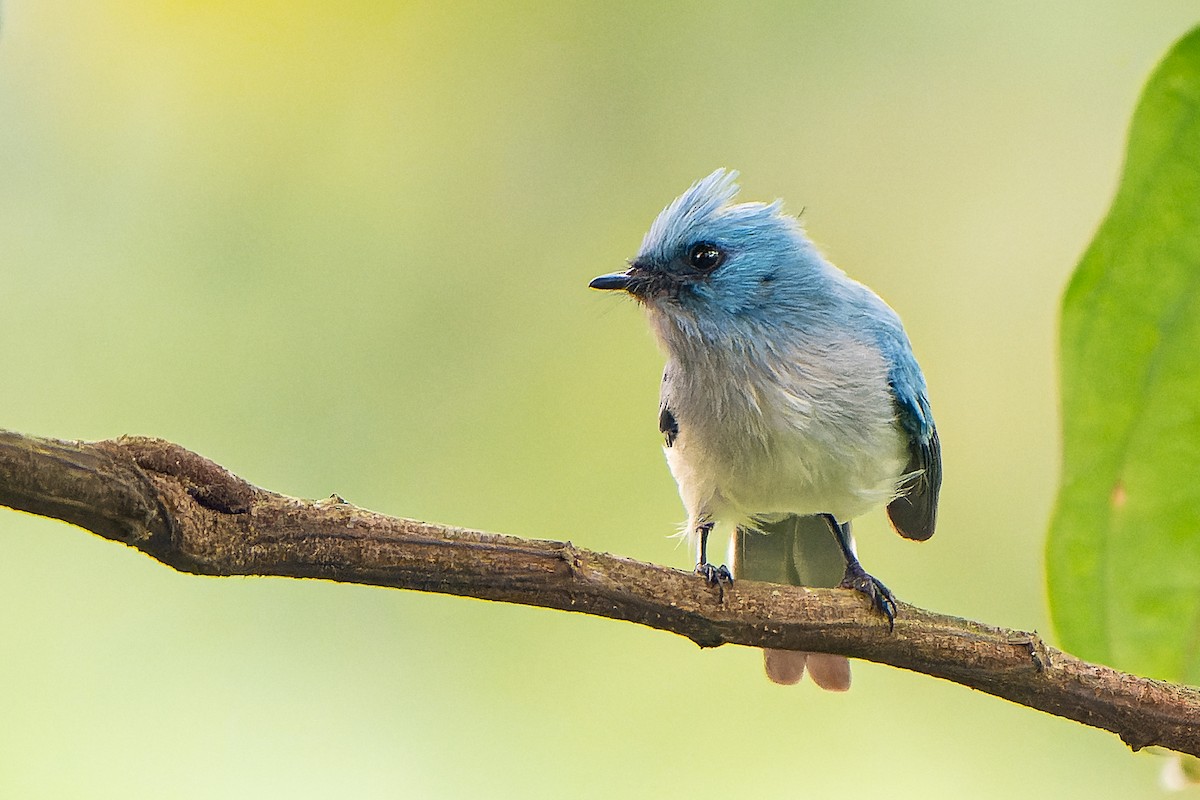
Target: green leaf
[(1123, 555)]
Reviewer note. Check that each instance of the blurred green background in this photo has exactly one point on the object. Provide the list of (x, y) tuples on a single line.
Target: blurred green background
[(345, 248)]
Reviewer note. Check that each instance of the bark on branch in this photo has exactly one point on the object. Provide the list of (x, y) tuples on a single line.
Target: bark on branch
[(195, 516)]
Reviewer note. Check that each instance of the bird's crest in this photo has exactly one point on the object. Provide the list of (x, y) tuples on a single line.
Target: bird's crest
[(692, 208), (705, 201)]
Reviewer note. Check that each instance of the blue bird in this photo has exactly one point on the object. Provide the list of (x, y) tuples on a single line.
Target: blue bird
[(791, 401)]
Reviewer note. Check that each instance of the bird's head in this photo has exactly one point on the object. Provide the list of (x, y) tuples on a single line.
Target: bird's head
[(705, 254)]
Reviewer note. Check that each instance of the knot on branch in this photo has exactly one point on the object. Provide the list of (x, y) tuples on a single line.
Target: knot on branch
[(206, 481)]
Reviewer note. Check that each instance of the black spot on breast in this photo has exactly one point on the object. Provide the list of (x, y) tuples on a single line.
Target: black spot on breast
[(667, 425)]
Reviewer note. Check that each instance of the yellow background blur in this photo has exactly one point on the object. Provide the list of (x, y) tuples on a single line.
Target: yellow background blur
[(344, 247)]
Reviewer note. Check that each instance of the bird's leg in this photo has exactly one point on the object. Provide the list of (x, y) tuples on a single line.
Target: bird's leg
[(714, 576), (857, 578)]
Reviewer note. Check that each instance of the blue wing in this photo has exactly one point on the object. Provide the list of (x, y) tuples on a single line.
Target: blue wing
[(914, 514)]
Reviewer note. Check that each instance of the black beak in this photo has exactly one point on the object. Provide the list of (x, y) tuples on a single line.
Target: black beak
[(617, 280)]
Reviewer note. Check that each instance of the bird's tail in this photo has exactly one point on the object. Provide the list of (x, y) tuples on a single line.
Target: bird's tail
[(798, 551)]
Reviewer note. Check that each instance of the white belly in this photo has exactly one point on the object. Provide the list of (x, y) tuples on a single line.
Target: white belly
[(796, 476)]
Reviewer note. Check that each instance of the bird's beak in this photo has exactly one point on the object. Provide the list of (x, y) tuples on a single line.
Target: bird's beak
[(617, 280)]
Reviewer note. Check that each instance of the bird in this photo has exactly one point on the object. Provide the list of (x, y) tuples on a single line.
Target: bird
[(791, 401)]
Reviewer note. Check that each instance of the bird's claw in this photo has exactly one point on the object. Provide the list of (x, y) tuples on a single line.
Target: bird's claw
[(714, 576), (880, 596)]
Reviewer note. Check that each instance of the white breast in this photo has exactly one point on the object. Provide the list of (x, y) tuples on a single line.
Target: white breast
[(815, 432)]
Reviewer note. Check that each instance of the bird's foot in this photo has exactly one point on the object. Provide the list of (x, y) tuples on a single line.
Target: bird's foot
[(881, 597), (714, 576)]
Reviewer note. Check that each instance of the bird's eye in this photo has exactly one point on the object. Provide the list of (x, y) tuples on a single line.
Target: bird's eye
[(706, 257)]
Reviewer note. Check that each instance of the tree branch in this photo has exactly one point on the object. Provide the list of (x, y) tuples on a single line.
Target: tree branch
[(195, 516)]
